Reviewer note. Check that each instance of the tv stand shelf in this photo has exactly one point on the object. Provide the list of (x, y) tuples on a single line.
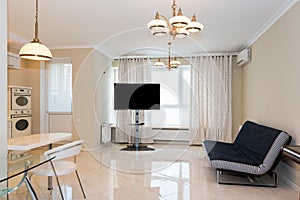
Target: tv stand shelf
[(140, 147), (138, 124)]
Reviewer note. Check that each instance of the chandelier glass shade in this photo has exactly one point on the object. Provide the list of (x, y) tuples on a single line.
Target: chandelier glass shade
[(159, 63), (179, 26), (35, 50), (174, 63)]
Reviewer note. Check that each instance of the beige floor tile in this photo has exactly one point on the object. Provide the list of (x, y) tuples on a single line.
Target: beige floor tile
[(171, 172)]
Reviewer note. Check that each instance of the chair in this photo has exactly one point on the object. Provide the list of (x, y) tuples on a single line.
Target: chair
[(57, 166), (254, 153)]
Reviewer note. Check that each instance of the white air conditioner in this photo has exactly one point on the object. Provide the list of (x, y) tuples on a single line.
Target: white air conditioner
[(243, 57), (13, 61)]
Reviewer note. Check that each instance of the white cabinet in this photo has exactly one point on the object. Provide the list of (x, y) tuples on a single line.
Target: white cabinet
[(13, 61)]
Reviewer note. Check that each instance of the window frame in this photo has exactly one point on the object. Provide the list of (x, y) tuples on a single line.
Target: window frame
[(181, 104)]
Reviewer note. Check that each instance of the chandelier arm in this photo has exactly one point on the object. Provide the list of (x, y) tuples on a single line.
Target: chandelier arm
[(166, 20), (174, 6), (169, 56), (172, 32)]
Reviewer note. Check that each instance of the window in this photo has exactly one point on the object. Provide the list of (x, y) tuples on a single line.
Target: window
[(59, 84), (174, 97)]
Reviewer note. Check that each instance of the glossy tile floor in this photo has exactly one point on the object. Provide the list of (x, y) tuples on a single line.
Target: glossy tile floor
[(173, 171)]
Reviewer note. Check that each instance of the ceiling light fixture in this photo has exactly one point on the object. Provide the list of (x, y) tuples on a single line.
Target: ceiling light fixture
[(171, 63), (159, 63), (179, 26), (35, 50)]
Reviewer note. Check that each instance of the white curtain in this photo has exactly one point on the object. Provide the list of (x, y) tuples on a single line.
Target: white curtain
[(133, 70), (59, 84), (210, 112)]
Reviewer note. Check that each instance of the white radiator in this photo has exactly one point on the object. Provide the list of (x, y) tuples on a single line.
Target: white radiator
[(105, 133)]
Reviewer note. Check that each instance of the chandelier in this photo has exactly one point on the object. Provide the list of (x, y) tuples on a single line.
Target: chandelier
[(35, 50), (179, 26), (171, 63)]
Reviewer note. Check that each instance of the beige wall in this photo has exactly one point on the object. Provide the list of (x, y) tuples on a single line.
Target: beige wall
[(271, 92), (236, 98), (29, 76), (77, 56), (271, 81), (89, 96)]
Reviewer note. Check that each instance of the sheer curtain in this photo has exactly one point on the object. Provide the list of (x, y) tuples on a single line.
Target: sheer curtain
[(210, 112), (133, 70), (59, 73)]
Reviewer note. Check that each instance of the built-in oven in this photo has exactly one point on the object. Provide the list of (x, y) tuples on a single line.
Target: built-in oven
[(20, 98), (20, 115), (20, 125)]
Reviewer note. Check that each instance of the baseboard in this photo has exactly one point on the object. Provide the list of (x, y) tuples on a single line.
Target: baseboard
[(171, 142), (171, 135), (286, 173)]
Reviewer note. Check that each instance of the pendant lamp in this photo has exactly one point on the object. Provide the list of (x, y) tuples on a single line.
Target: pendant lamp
[(35, 50)]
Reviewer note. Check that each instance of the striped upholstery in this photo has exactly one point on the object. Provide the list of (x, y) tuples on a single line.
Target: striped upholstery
[(234, 157)]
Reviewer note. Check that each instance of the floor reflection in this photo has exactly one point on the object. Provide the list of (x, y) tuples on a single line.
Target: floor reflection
[(176, 172), (139, 161)]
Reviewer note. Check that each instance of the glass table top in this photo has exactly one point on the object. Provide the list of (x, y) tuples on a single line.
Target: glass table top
[(19, 166)]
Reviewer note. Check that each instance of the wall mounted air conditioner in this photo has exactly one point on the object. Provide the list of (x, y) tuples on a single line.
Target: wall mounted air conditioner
[(243, 57), (13, 61)]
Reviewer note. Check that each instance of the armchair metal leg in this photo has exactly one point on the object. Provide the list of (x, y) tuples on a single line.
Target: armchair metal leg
[(238, 178), (80, 184)]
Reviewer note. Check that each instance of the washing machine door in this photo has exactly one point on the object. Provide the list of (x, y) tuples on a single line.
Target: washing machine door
[(21, 126)]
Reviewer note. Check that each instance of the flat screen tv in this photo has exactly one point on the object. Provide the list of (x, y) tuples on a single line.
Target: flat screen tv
[(136, 96)]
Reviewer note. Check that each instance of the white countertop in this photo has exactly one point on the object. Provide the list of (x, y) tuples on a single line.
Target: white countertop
[(25, 143)]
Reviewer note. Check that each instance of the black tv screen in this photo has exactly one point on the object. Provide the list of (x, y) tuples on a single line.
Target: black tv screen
[(136, 96)]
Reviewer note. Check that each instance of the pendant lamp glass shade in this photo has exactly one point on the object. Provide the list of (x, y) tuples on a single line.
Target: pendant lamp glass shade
[(35, 50)]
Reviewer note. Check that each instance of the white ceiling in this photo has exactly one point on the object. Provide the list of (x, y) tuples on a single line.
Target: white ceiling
[(118, 27)]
